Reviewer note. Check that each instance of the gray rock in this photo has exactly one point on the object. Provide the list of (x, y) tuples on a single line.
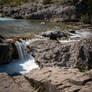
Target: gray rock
[(63, 11), (74, 54), (53, 35)]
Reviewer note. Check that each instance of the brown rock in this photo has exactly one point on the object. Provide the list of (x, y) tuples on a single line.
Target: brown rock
[(57, 79), (7, 84), (10, 84), (74, 54)]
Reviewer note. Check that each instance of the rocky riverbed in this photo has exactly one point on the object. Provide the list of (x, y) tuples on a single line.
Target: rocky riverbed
[(65, 66), (69, 10), (57, 58)]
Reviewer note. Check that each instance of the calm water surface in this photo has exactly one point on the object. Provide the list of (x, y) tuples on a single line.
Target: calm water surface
[(12, 26)]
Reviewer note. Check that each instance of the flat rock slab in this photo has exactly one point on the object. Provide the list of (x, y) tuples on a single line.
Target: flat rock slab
[(55, 79), (7, 84), (16, 84)]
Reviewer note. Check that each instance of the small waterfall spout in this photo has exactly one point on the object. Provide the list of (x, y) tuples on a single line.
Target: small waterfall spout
[(21, 46)]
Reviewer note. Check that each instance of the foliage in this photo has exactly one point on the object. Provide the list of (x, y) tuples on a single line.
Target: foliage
[(2, 2), (89, 4), (87, 16), (45, 2)]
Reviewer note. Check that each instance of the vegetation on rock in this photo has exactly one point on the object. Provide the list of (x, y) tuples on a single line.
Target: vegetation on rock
[(87, 16), (44, 2), (2, 2)]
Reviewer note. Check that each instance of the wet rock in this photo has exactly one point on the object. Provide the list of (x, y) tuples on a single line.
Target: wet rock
[(53, 35), (73, 54), (8, 52), (72, 31), (55, 79), (1, 39), (17, 16)]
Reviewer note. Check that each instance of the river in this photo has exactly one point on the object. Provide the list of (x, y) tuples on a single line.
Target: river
[(26, 62), (12, 26)]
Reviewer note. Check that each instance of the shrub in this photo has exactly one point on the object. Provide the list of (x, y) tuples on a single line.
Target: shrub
[(2, 2), (85, 18), (45, 2), (89, 4)]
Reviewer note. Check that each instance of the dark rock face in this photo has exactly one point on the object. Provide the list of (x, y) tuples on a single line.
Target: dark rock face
[(1, 39), (53, 35), (8, 51), (74, 54)]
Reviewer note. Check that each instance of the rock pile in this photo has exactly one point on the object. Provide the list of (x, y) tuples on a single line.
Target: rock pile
[(73, 54)]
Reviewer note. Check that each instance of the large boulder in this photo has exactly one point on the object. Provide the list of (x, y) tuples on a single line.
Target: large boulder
[(73, 54), (7, 84), (10, 84), (53, 35), (8, 51), (57, 79)]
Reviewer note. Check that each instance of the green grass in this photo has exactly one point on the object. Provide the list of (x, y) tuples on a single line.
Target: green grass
[(2, 2)]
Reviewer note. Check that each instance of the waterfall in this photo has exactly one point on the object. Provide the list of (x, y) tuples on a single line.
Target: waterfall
[(21, 46), (24, 64)]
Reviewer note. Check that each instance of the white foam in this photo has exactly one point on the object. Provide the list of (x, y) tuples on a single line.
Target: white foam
[(6, 19), (28, 42), (77, 37), (20, 66), (66, 41)]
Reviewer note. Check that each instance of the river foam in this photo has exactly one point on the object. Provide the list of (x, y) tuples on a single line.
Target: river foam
[(20, 66), (24, 64), (6, 19), (79, 35)]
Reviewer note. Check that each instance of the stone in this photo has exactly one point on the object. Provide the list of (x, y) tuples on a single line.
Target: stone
[(7, 84), (12, 84), (73, 54), (55, 79), (63, 11), (8, 53), (53, 35), (1, 38), (72, 31)]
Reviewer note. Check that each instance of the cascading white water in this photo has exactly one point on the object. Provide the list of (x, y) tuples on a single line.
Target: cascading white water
[(24, 64), (21, 46), (20, 50)]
